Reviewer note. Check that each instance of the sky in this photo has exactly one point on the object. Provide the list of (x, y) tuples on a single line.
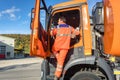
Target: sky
[(15, 15)]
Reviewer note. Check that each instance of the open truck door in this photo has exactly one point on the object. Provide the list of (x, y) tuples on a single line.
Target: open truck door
[(38, 44)]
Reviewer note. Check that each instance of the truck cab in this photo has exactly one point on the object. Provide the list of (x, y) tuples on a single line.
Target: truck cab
[(81, 59)]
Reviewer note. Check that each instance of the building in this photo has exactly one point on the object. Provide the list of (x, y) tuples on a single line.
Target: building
[(6, 47)]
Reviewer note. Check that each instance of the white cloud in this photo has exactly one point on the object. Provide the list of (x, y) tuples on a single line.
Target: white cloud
[(10, 12), (19, 17), (0, 15), (12, 15), (29, 14), (25, 22)]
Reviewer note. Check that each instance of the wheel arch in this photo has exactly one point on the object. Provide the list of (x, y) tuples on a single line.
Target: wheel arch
[(75, 66)]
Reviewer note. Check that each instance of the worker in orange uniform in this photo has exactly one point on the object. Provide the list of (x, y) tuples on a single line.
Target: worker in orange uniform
[(63, 34)]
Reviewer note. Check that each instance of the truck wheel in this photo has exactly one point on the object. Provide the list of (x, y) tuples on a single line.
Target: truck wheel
[(85, 76)]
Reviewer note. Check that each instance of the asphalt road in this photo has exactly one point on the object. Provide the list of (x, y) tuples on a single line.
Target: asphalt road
[(25, 71)]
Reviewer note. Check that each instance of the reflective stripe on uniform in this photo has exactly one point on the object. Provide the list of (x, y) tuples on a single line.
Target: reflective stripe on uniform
[(63, 35), (59, 34), (59, 67)]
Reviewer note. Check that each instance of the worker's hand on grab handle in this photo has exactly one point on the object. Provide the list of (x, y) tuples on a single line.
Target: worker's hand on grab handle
[(77, 29), (51, 31), (76, 32), (73, 35)]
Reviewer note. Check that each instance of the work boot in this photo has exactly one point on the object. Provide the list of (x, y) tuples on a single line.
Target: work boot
[(50, 77), (56, 78)]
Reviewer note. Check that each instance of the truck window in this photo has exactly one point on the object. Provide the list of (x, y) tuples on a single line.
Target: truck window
[(72, 17)]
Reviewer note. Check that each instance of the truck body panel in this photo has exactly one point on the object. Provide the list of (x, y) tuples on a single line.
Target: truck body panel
[(112, 27), (72, 2)]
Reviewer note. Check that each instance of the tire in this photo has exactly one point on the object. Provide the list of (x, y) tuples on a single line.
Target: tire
[(85, 76)]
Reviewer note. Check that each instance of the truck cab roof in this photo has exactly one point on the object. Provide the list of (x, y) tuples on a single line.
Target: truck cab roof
[(69, 3)]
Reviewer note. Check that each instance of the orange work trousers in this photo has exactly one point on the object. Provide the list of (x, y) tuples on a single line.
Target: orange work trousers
[(60, 61)]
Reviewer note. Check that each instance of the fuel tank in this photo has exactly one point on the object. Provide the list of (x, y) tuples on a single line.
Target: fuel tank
[(112, 27)]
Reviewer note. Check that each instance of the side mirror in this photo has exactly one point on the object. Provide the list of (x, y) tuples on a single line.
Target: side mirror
[(49, 9), (91, 20)]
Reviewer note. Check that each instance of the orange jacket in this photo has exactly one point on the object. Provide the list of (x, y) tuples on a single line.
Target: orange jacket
[(63, 34)]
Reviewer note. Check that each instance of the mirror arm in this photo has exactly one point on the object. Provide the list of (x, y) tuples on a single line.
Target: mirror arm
[(45, 7)]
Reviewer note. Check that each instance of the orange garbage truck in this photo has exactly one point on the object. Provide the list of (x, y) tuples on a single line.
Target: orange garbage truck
[(94, 54)]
